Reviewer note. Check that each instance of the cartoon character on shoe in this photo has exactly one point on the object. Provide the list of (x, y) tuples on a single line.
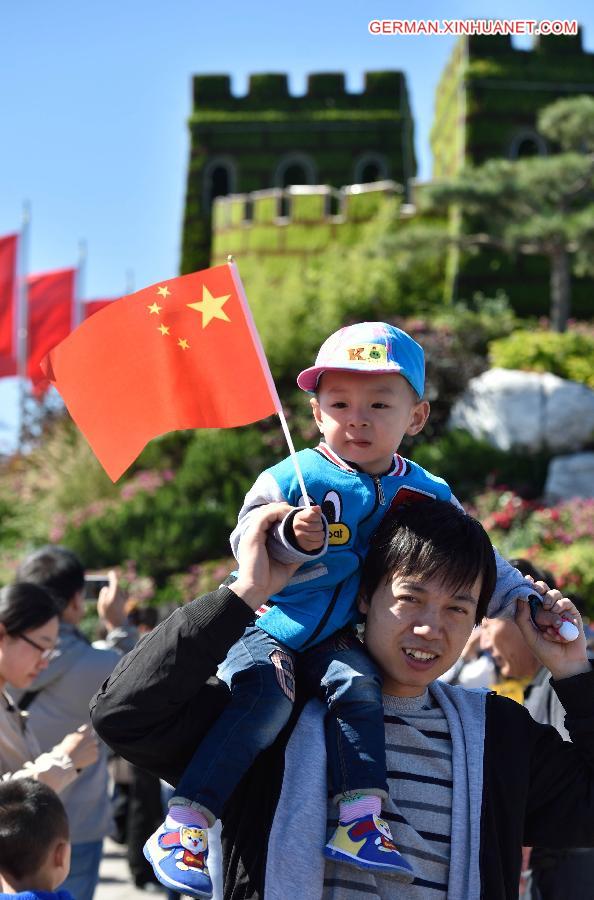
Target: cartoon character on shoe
[(178, 857), (367, 844)]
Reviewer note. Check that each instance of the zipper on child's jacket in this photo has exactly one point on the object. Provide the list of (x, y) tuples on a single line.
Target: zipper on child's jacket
[(323, 621), (379, 499), (379, 490)]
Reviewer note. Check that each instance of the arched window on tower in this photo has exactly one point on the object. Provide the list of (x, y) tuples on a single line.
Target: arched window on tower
[(295, 168), (370, 167), (527, 143), (220, 178)]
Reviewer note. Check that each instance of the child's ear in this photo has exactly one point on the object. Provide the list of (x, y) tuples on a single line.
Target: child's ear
[(362, 602), (418, 416), (60, 852), (317, 412)]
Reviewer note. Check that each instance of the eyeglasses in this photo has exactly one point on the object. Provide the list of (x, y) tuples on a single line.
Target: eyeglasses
[(46, 652)]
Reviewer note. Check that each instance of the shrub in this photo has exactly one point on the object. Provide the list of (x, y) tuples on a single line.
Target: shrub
[(479, 321), (164, 521), (469, 465), (557, 538), (569, 355)]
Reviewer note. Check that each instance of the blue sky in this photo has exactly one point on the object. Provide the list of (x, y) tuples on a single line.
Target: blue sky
[(95, 97)]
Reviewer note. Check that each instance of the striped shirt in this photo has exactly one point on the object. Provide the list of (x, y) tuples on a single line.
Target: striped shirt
[(419, 763)]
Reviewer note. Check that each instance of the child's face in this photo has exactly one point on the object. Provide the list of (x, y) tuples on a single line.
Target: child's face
[(364, 417)]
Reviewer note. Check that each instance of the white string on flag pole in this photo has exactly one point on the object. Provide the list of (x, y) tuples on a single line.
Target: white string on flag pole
[(268, 375)]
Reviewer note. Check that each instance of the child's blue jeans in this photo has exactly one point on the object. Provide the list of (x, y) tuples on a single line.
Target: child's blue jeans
[(261, 675)]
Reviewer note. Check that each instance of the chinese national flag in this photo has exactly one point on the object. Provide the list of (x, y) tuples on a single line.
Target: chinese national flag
[(8, 305), (93, 306), (180, 354), (50, 318)]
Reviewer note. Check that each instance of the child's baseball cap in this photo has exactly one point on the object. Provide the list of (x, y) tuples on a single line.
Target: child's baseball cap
[(372, 347)]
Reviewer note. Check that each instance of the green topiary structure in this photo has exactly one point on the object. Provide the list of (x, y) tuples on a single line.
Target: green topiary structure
[(271, 139), (486, 106)]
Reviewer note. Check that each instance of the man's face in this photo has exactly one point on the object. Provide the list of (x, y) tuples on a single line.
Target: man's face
[(416, 629), (364, 417), (512, 656)]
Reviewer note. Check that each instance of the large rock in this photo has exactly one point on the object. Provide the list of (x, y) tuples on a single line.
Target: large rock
[(527, 410), (570, 476)]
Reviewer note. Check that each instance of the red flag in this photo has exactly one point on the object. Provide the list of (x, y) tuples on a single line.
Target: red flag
[(90, 307), (8, 305), (50, 314), (180, 354)]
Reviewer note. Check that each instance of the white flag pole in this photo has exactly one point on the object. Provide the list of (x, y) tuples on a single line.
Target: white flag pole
[(79, 285), (267, 374), (22, 317)]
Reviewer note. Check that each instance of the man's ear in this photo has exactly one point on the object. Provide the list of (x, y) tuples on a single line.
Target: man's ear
[(418, 416), (317, 412)]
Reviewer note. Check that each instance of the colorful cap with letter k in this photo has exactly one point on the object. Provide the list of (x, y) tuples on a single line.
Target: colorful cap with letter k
[(371, 347)]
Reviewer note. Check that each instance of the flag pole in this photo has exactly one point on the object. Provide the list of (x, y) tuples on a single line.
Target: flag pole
[(22, 317), (268, 375), (79, 285)]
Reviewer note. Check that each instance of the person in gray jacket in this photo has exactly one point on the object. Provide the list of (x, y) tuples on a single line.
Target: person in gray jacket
[(58, 700)]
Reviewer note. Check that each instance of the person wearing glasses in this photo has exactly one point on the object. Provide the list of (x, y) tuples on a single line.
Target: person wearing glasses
[(28, 633), (58, 699)]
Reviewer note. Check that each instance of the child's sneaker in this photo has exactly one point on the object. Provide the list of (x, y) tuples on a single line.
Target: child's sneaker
[(367, 844), (178, 857)]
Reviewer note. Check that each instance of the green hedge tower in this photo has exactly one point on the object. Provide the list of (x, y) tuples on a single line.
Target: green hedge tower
[(486, 106), (271, 139)]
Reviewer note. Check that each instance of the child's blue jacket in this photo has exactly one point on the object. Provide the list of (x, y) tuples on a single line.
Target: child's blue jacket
[(321, 597), (38, 895)]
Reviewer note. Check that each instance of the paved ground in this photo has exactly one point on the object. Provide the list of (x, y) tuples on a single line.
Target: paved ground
[(114, 876)]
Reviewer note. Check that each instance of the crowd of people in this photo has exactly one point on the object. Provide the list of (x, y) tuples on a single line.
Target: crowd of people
[(339, 761)]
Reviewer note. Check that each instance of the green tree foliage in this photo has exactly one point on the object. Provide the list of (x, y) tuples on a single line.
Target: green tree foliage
[(536, 206), (374, 279)]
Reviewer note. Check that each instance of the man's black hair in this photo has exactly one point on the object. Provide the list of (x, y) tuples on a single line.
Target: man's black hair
[(32, 818), (432, 539), (55, 568)]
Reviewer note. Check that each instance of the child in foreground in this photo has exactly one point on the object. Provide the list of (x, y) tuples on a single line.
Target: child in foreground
[(34, 841), (367, 392)]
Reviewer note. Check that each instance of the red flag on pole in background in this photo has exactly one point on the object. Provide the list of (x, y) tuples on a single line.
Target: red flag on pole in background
[(50, 318), (180, 354), (90, 307), (8, 305)]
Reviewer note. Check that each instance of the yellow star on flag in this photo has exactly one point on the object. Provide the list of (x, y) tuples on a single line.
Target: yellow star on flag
[(154, 308), (211, 307), (164, 329), (163, 291), (183, 344)]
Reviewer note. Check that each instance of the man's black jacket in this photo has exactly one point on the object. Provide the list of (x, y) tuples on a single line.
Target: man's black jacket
[(162, 698)]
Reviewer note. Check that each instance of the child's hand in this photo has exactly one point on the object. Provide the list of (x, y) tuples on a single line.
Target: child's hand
[(308, 528)]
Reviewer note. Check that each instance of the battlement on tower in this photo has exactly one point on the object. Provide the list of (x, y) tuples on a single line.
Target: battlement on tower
[(325, 91), (271, 139), (490, 94)]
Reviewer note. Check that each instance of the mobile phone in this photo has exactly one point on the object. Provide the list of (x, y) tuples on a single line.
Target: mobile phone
[(93, 584)]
